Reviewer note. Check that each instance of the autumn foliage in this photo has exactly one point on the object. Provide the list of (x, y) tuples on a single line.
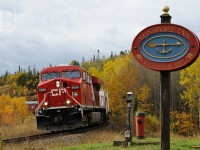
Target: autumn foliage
[(120, 74), (182, 123), (12, 110), (143, 99), (190, 79)]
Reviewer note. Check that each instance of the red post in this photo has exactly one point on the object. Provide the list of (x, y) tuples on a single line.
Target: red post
[(140, 123)]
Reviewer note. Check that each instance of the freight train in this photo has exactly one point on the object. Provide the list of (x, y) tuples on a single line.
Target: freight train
[(69, 98)]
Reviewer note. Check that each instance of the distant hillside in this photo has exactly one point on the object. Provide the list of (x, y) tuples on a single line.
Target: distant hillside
[(4, 89), (20, 84)]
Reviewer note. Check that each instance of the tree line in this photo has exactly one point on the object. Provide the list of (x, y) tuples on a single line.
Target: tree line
[(121, 74)]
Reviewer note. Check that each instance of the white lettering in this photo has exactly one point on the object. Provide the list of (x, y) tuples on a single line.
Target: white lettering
[(54, 92), (58, 92)]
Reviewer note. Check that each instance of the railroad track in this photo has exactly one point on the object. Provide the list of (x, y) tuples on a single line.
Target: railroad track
[(53, 134), (32, 137)]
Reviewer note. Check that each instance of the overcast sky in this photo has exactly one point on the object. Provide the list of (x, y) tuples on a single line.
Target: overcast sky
[(43, 32)]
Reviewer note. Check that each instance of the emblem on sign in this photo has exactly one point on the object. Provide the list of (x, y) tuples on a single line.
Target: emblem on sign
[(165, 47), (164, 44)]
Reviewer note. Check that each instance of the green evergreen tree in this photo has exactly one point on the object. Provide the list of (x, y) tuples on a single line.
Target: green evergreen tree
[(111, 55), (75, 63), (98, 56)]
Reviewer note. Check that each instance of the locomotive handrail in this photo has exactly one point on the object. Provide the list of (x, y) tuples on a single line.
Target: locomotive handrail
[(73, 98), (76, 102), (37, 109)]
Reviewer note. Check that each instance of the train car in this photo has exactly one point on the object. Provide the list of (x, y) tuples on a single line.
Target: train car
[(32, 105), (68, 98)]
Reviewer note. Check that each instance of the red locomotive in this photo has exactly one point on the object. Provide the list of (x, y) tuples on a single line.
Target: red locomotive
[(68, 98)]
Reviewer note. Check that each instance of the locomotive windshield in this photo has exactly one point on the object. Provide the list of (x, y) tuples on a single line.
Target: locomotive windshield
[(47, 76), (71, 74)]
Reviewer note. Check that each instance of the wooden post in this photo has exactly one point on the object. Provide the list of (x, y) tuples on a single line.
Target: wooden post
[(165, 96), (165, 109)]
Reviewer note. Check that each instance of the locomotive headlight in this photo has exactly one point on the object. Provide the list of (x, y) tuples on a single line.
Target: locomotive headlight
[(45, 103), (68, 102), (57, 84)]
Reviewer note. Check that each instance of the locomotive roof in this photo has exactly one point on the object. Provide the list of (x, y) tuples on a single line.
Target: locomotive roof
[(61, 68)]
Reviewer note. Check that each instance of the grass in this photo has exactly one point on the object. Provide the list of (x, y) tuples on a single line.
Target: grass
[(100, 139), (28, 127), (184, 143), (177, 143)]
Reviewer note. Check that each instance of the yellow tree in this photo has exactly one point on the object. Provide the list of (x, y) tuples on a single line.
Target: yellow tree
[(182, 123), (94, 71), (12, 110), (12, 78), (190, 79), (6, 110), (20, 109), (143, 98), (7, 115), (120, 76)]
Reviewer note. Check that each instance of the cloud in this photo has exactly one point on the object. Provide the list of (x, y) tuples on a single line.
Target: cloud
[(56, 32)]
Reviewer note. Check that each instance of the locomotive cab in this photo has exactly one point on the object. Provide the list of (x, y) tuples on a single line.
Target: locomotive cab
[(68, 97)]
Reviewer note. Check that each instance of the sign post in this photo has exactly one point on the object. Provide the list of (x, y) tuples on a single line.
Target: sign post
[(165, 98), (165, 47), (165, 109)]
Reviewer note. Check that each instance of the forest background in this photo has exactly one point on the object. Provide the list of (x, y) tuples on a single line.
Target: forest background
[(120, 74)]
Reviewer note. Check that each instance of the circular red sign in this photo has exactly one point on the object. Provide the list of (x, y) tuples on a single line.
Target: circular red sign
[(165, 47)]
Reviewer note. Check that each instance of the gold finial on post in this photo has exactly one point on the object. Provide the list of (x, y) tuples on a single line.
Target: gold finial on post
[(165, 17), (165, 10)]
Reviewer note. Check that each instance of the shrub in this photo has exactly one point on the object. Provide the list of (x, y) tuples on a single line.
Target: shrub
[(182, 123), (152, 124)]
